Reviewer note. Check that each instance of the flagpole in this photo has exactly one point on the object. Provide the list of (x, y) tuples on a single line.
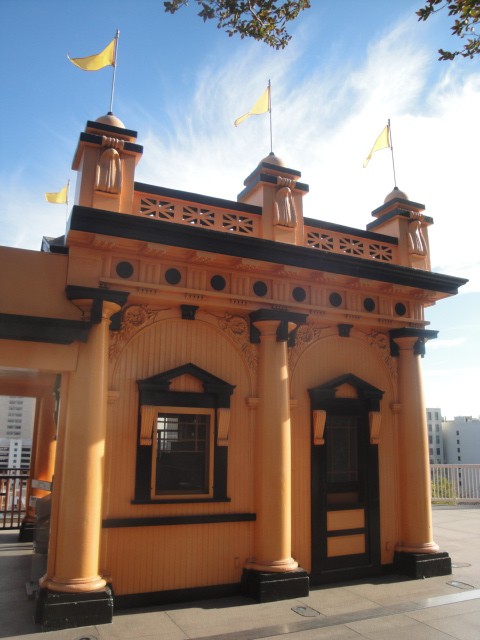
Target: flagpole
[(114, 70), (270, 112), (66, 199), (391, 149)]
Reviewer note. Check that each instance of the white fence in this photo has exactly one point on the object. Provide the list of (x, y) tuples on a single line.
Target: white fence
[(455, 483)]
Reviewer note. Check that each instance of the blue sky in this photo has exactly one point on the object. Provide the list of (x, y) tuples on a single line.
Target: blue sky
[(181, 83)]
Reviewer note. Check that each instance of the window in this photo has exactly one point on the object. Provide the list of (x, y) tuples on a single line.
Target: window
[(437, 439), (183, 454), (438, 451), (436, 415), (429, 439), (182, 447), (429, 415)]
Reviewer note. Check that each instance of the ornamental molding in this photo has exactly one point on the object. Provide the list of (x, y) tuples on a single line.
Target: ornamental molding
[(237, 328), (309, 333), (135, 317)]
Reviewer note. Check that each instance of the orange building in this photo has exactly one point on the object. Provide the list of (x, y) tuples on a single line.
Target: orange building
[(229, 394)]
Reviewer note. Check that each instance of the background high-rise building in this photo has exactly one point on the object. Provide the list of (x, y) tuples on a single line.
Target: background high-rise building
[(435, 439), (461, 440), (16, 427)]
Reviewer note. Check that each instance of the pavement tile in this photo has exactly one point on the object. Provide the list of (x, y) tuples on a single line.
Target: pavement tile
[(396, 627), (463, 627)]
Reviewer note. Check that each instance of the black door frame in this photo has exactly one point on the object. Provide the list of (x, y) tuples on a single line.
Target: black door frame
[(353, 566)]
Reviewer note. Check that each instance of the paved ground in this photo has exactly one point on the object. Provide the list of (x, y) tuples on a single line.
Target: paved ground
[(390, 608)]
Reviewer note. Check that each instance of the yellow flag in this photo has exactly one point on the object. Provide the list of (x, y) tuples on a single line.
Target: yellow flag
[(262, 105), (382, 142), (58, 198), (93, 63)]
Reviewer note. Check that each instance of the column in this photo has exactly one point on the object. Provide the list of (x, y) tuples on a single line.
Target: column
[(414, 552), (73, 589), (273, 574), (42, 459)]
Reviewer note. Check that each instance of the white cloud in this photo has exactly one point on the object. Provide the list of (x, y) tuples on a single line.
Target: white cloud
[(446, 344)]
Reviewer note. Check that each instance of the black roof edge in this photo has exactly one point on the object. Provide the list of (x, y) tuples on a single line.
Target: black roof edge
[(40, 329)]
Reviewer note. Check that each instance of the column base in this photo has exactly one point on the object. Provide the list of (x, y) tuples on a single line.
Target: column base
[(56, 611), (423, 565), (270, 587), (27, 532)]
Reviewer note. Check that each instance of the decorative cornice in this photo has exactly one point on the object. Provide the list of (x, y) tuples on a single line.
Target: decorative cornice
[(113, 224)]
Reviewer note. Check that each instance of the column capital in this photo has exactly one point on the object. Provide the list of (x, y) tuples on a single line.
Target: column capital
[(99, 302), (286, 323), (407, 338)]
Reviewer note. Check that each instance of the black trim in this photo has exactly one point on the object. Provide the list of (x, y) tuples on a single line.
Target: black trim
[(255, 179), (188, 311), (347, 574), (346, 532), (409, 203), (167, 233), (156, 390), (180, 500), (163, 521), (92, 124), (423, 565), (283, 317), (156, 598), (344, 330), (394, 214), (323, 396), (99, 296), (36, 329), (265, 586), (196, 198), (55, 610), (422, 336), (93, 138)]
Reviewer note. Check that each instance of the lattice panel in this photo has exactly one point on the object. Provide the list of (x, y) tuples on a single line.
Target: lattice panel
[(318, 240), (349, 245), (198, 216), (381, 252), (237, 223), (181, 213), (159, 209)]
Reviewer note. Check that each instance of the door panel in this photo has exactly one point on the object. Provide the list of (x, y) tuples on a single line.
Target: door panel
[(345, 518)]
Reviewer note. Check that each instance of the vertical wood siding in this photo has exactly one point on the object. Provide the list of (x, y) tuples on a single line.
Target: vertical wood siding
[(323, 360), (142, 559)]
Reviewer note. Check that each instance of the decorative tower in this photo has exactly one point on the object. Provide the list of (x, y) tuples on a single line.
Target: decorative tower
[(276, 189), (105, 159)]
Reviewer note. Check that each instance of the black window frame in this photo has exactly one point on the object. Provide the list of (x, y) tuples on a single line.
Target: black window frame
[(155, 392)]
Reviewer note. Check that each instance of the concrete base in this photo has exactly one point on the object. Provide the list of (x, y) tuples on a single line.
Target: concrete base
[(270, 587), (68, 610), (27, 532), (423, 565)]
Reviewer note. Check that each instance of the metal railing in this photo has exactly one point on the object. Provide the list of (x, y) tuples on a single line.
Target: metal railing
[(13, 489), (455, 483)]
